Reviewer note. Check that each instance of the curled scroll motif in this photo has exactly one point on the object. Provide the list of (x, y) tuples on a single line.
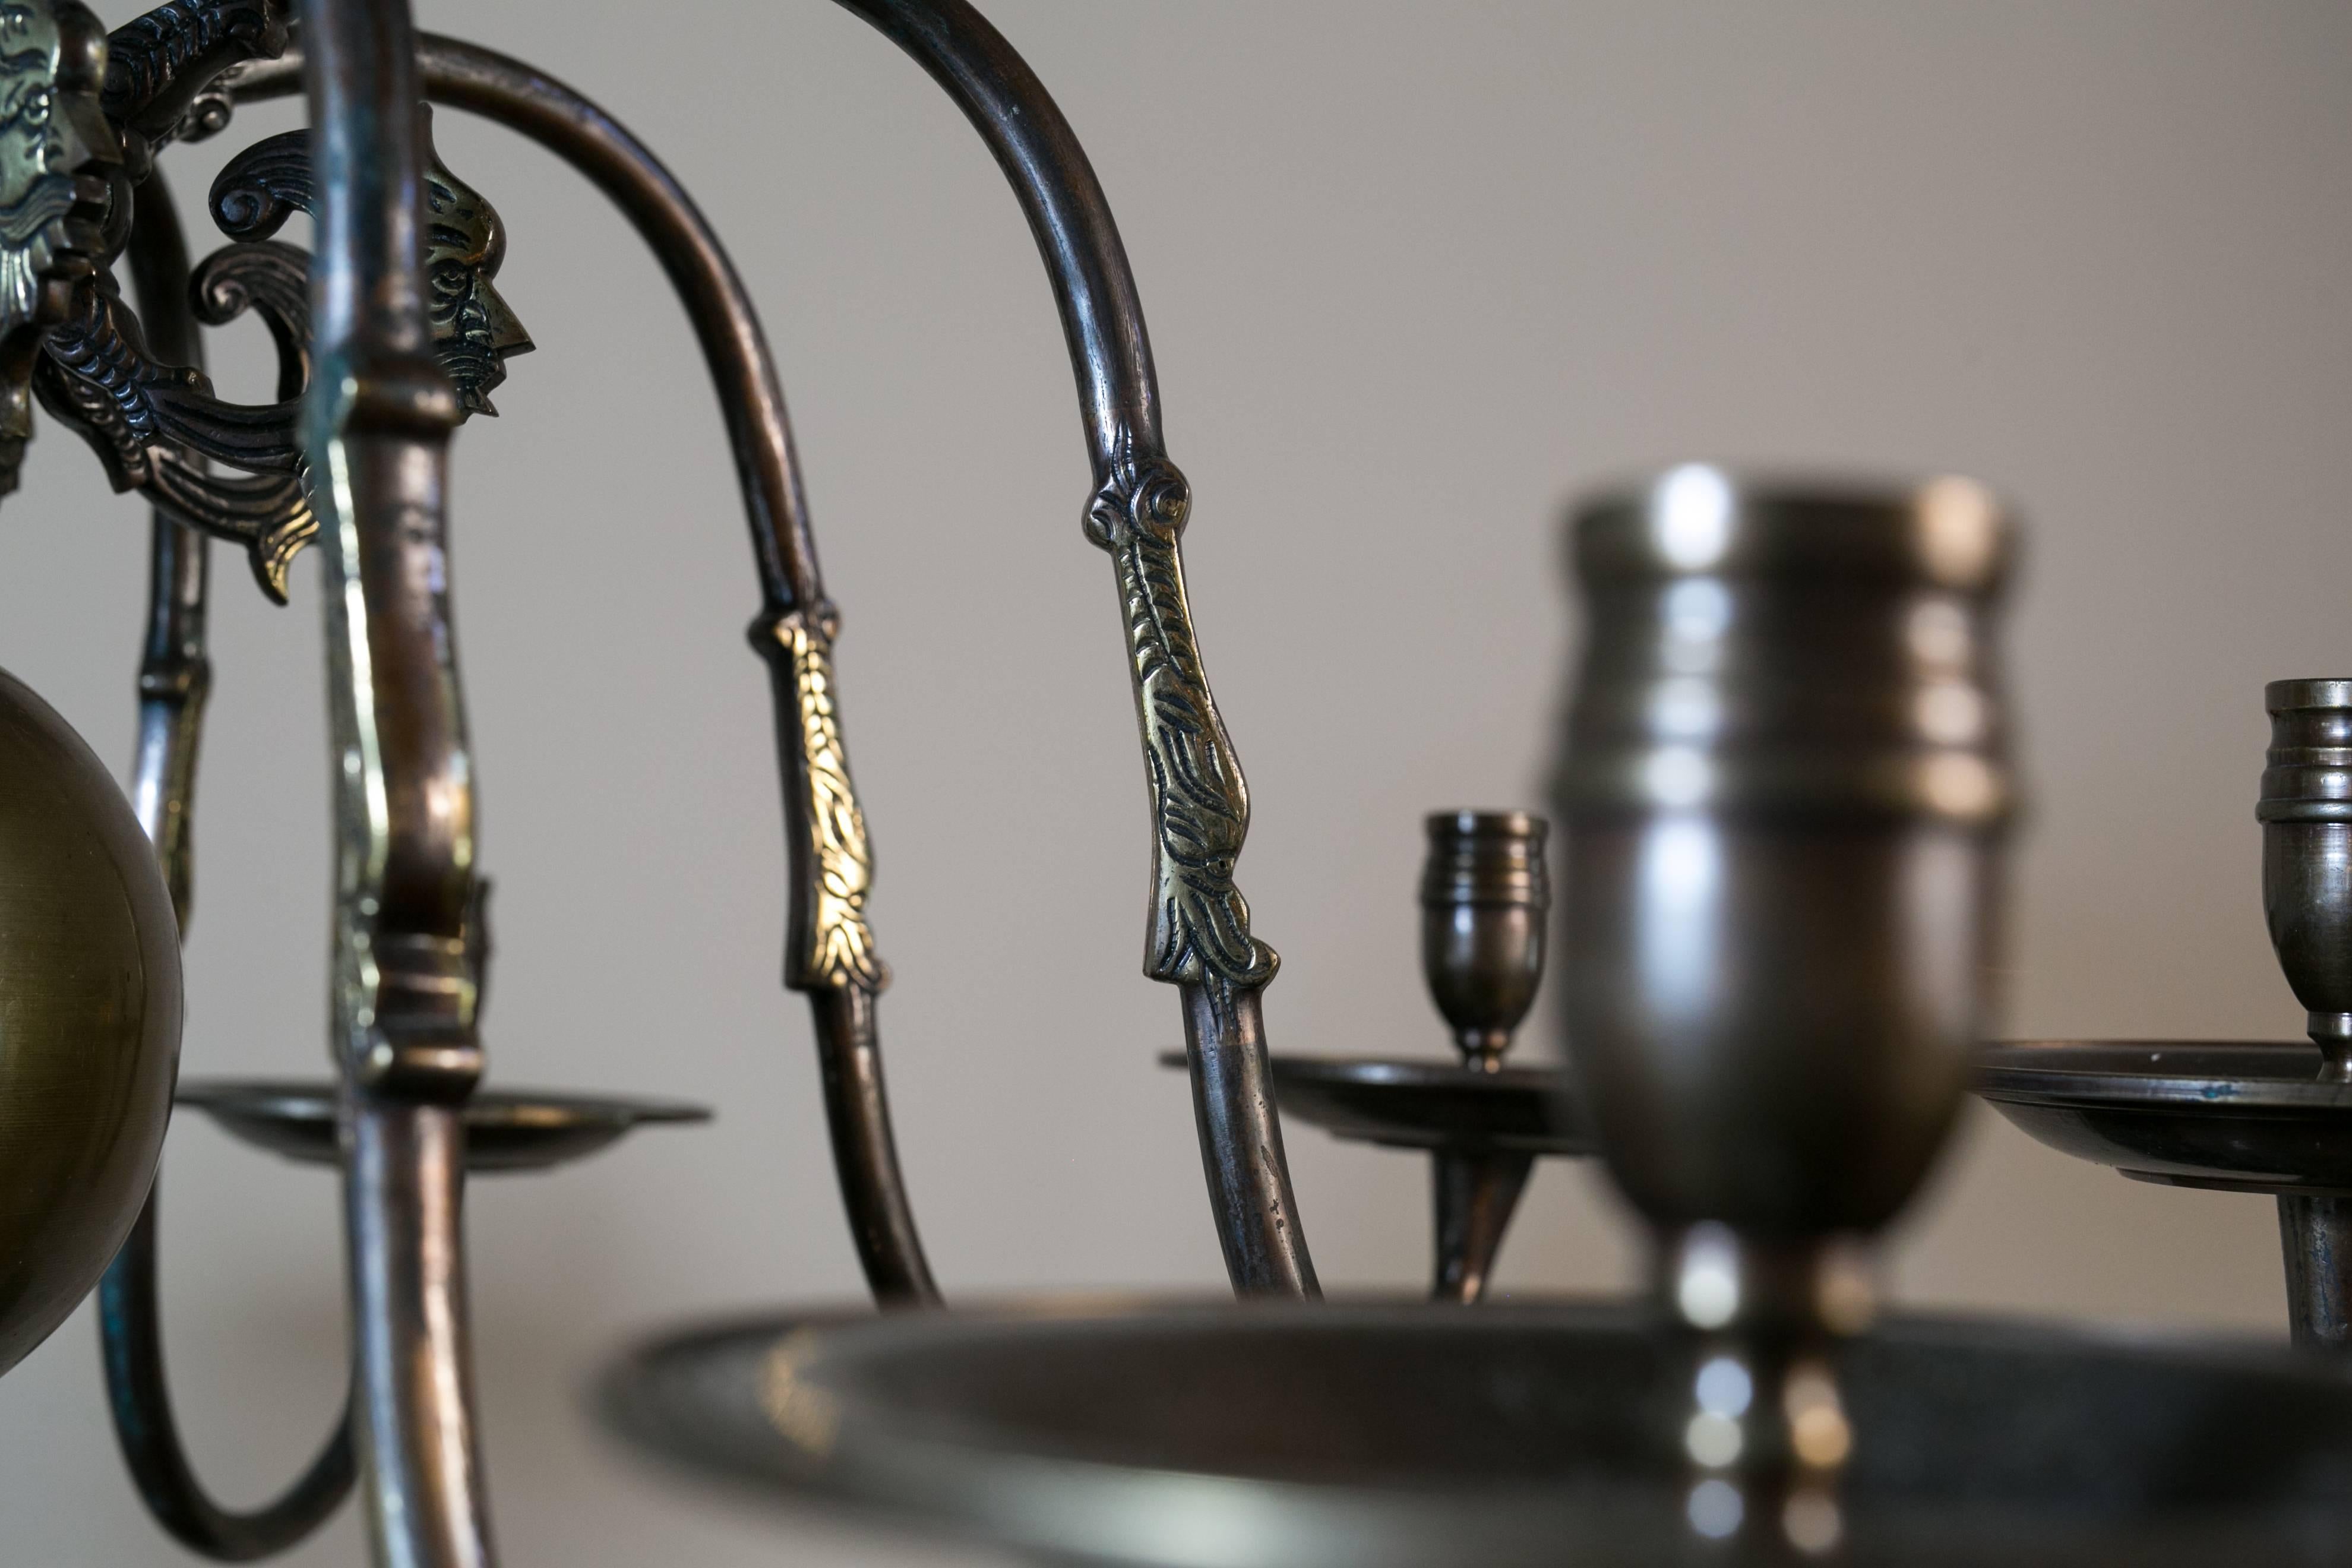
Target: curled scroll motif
[(56, 148), (158, 428), (831, 945), (1200, 804), (273, 282), (259, 189), (474, 331), (269, 514), (136, 401), (154, 427), (161, 68)]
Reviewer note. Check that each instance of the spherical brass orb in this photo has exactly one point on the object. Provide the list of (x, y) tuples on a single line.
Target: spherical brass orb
[(90, 1019)]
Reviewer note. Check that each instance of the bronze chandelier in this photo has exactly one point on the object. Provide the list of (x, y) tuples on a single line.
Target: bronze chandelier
[(1782, 803)]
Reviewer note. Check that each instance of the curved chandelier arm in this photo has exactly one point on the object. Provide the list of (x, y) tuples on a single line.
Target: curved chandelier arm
[(1118, 392), (140, 1398), (173, 677), (830, 953), (1198, 936), (525, 100)]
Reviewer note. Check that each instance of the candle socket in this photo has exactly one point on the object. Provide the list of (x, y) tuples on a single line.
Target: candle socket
[(1485, 893), (1783, 800), (2307, 816)]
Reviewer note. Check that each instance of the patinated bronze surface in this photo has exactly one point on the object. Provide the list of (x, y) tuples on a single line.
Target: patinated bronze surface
[(1787, 688), (2241, 1115), (412, 1068), (174, 679), (1783, 788), (1197, 933), (1394, 1436), (152, 417), (1485, 892), (90, 1019), (57, 157), (506, 1129), (794, 632), (1406, 1103), (2236, 1115), (2306, 817)]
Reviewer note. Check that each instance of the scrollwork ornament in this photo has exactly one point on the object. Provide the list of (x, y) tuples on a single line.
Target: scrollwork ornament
[(161, 68), (154, 426), (159, 428), (474, 331), (1199, 925), (831, 945)]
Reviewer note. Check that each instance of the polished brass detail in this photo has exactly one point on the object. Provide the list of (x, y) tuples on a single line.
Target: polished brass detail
[(807, 1416), (1199, 803), (832, 944), (90, 978)]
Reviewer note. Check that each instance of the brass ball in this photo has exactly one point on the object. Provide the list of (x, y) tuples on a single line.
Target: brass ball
[(90, 1019)]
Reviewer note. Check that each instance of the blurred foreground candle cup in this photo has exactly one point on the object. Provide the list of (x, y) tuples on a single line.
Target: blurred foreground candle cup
[(1783, 798)]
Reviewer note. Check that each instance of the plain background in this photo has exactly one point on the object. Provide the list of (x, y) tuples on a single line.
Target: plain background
[(1414, 275)]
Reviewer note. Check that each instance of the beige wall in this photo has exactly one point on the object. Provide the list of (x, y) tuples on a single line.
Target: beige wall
[(1414, 275)]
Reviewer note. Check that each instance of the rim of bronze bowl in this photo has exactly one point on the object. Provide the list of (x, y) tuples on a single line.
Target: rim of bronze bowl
[(1347, 1435)]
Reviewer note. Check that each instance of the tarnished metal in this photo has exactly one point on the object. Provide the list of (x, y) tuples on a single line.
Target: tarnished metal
[(161, 68), (507, 1131), (2315, 1236), (146, 1426), (1783, 790), (174, 677), (1787, 763), (57, 157), (473, 330), (2243, 1115), (175, 673), (376, 422), (1485, 891), (1197, 933), (819, 803), (1370, 1435), (1199, 929), (152, 417), (2307, 816)]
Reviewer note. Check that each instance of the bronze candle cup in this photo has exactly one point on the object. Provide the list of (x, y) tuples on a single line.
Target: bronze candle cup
[(1783, 798)]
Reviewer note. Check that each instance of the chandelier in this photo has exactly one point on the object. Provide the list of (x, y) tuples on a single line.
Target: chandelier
[(1769, 893)]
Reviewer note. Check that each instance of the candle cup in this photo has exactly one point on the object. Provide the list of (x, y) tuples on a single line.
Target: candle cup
[(1485, 893), (2307, 816), (1783, 799)]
